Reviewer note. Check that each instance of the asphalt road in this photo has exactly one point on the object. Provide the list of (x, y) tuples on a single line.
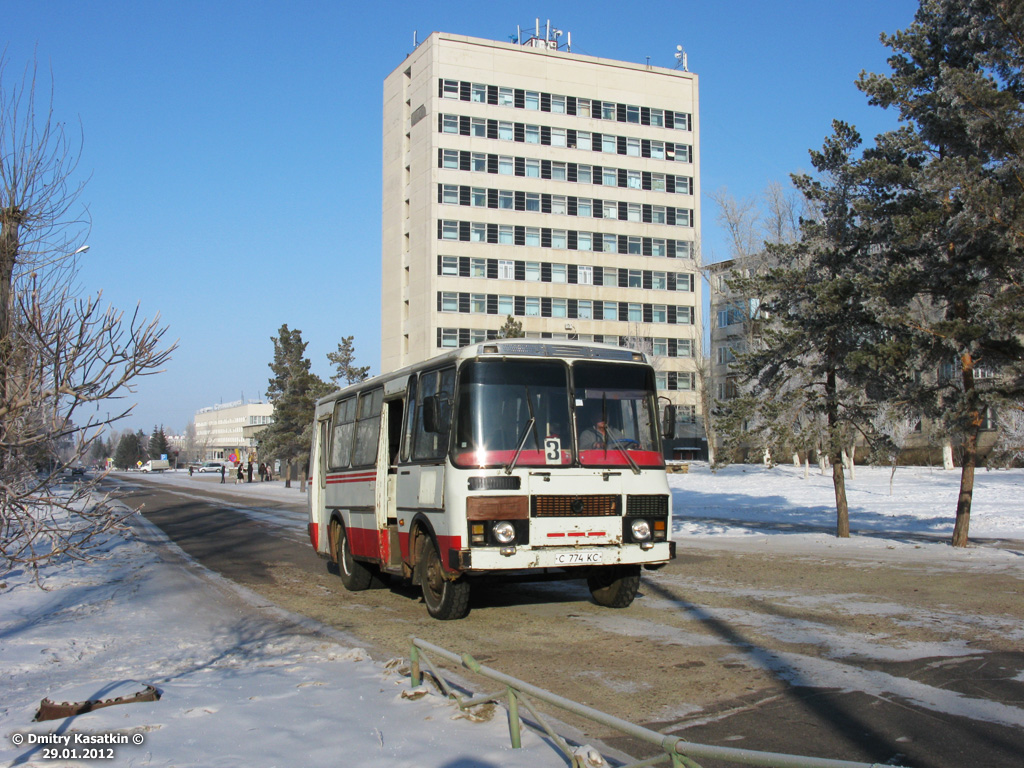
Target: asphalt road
[(830, 653)]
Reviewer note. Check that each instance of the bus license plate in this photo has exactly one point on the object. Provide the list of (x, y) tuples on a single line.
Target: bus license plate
[(578, 558)]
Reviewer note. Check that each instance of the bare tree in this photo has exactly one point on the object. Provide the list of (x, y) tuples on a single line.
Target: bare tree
[(62, 357)]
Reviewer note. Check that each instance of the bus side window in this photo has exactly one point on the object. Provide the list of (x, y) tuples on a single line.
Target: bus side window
[(410, 418), (434, 444)]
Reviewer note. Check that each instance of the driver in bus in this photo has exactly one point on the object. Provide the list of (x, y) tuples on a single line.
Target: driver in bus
[(597, 436)]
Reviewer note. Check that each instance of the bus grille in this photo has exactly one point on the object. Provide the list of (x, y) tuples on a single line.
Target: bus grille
[(576, 506), (647, 506)]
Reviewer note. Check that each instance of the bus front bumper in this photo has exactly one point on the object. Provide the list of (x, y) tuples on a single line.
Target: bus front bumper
[(483, 559)]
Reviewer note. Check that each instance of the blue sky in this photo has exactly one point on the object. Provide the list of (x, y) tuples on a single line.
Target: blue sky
[(234, 147)]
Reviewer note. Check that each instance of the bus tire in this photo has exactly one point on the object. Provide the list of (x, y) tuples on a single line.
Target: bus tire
[(354, 575), (446, 599), (614, 586)]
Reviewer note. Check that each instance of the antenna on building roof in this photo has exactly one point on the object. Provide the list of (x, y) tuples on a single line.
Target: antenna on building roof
[(681, 58)]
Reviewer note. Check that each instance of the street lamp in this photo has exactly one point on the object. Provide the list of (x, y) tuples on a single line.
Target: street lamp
[(82, 249)]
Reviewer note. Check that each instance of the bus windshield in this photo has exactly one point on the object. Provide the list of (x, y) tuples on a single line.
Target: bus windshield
[(518, 413), (616, 415), (505, 407)]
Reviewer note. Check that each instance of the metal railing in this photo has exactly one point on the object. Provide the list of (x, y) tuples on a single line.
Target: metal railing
[(680, 752)]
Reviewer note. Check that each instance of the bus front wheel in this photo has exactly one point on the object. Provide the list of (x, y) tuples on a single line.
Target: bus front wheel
[(445, 598), (614, 586), (354, 575)]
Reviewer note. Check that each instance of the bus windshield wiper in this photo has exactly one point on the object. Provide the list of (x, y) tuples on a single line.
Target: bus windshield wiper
[(625, 452), (519, 448)]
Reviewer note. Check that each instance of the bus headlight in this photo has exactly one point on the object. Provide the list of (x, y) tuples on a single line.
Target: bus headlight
[(641, 530), (504, 532)]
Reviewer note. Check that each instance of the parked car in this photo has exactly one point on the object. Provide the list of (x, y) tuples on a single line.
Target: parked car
[(211, 466)]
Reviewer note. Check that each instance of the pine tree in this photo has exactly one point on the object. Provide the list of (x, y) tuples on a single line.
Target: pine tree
[(815, 328), (293, 390), (948, 204), (345, 370), (512, 329), (127, 454), (158, 445)]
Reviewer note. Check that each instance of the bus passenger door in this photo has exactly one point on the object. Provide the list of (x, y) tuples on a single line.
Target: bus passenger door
[(386, 503), (318, 485)]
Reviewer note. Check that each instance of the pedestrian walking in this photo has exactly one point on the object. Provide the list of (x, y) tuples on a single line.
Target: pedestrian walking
[(249, 471), (263, 472), (222, 474), (239, 477)]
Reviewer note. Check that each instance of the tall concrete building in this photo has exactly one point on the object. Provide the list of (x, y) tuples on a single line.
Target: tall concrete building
[(521, 179)]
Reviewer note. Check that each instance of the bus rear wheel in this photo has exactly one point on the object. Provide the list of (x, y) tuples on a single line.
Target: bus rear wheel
[(354, 575), (614, 586), (445, 598)]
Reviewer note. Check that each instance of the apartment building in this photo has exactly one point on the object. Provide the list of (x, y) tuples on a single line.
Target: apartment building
[(230, 429), (521, 179)]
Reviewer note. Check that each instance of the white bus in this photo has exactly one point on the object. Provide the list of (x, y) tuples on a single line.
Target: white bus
[(509, 457)]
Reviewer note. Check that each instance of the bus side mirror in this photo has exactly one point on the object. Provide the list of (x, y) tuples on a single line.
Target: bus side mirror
[(432, 413), (668, 421)]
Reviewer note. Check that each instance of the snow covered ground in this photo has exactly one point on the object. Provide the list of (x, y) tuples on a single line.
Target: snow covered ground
[(244, 683)]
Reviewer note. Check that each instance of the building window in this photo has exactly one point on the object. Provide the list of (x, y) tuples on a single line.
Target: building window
[(533, 271), (532, 201), (478, 267), (659, 313), (658, 247), (681, 121), (635, 278), (684, 249), (584, 207), (478, 197), (506, 131), (506, 269), (658, 214), (684, 348), (506, 165), (478, 127), (450, 194), (725, 355), (558, 273), (633, 147), (584, 309), (661, 381), (583, 107), (506, 199), (659, 281), (559, 239), (609, 177), (683, 217), (478, 162), (633, 212), (478, 303), (477, 232), (449, 337), (558, 104), (658, 117), (584, 241), (684, 185), (533, 134), (634, 179), (684, 315), (532, 168), (532, 100), (558, 137), (449, 123), (558, 171), (478, 93), (558, 308), (583, 140), (635, 245), (449, 89), (559, 206), (450, 158), (506, 234), (609, 144), (607, 110), (635, 313), (532, 307), (659, 347), (610, 277), (533, 237), (610, 244), (684, 282), (506, 97), (585, 275), (610, 311), (477, 335), (506, 305), (658, 182), (449, 229), (683, 153), (585, 174), (449, 302), (450, 266), (632, 114), (658, 150)]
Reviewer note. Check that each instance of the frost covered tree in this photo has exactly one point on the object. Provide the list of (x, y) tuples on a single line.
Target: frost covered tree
[(64, 358), (947, 202)]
